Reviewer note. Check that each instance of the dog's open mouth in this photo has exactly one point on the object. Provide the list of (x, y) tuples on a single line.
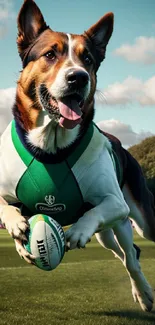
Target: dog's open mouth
[(67, 111), (70, 110)]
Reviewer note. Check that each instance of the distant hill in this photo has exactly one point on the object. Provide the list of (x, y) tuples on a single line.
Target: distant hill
[(144, 153)]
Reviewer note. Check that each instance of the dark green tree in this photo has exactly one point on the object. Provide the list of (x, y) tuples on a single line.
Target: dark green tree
[(144, 153)]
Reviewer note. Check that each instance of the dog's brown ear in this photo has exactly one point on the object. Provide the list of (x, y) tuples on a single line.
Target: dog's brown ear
[(30, 25), (100, 34)]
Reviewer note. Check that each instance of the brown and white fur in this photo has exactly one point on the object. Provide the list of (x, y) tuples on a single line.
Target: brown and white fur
[(57, 66)]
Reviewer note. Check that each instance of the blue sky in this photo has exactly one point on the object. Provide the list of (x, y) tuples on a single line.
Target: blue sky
[(127, 81)]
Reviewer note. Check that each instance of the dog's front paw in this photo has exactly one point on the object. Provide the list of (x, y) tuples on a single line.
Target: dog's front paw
[(76, 238), (80, 233), (23, 252), (14, 222)]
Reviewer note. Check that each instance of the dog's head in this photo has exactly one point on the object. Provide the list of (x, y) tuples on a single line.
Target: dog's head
[(59, 71)]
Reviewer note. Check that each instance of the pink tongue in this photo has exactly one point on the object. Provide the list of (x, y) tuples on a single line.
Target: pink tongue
[(71, 113)]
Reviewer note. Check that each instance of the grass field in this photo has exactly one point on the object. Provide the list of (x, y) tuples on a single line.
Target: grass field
[(90, 287)]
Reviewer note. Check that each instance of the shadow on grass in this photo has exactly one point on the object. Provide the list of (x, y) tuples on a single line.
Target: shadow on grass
[(127, 314)]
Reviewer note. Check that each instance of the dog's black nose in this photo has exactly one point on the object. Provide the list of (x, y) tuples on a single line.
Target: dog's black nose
[(77, 78)]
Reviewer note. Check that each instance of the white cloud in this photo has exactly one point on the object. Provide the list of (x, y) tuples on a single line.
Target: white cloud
[(143, 50), (6, 13), (130, 90), (7, 97), (123, 132)]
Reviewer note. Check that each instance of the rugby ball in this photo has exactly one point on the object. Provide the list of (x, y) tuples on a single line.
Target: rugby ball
[(46, 241)]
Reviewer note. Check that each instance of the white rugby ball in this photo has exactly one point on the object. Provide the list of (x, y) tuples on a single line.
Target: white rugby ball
[(46, 241)]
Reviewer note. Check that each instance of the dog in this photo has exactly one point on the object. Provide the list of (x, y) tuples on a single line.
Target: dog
[(54, 159)]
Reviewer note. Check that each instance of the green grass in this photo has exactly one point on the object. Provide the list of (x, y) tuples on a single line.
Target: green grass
[(90, 287)]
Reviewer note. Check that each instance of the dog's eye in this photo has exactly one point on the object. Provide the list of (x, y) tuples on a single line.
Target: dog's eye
[(87, 59), (50, 55)]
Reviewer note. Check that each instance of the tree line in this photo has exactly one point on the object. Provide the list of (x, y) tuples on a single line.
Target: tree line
[(144, 153)]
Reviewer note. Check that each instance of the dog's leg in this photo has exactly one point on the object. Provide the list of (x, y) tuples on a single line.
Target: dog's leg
[(141, 289), (139, 199), (107, 240), (16, 226), (95, 220), (142, 214)]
